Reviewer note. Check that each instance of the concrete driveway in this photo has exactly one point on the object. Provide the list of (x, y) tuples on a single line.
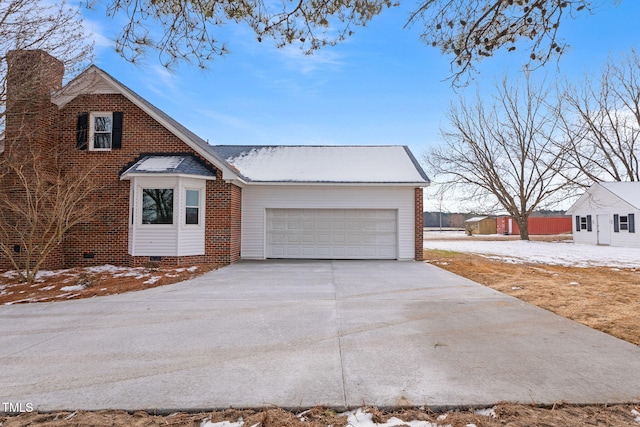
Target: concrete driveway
[(299, 334)]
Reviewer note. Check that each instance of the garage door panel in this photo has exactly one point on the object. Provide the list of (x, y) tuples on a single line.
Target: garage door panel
[(331, 233)]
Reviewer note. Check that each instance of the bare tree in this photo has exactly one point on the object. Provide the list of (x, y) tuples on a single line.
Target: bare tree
[(469, 30), (503, 154), (41, 195), (188, 28), (32, 24), (602, 123), (44, 195)]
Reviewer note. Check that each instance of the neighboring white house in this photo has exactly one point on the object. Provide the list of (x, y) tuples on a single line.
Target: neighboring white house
[(605, 214)]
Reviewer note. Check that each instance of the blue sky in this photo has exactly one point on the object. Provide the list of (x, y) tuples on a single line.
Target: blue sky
[(381, 86)]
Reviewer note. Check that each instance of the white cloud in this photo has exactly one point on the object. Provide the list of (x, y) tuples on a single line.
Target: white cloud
[(321, 60), (96, 33)]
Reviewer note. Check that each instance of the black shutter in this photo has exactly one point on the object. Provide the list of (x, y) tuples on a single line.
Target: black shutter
[(632, 223), (577, 222), (116, 131), (82, 131), (589, 228), (616, 223)]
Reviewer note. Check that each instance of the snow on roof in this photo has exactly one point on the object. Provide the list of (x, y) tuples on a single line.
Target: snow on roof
[(159, 164), (342, 164), (629, 191), (476, 218), (186, 164)]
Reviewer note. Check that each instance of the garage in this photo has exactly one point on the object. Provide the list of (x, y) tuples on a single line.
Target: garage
[(328, 202), (331, 233)]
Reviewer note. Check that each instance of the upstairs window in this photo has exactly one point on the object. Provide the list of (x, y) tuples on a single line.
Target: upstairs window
[(99, 131), (192, 210), (157, 206)]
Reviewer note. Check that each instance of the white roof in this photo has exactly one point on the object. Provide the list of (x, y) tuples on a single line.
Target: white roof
[(160, 163), (629, 191), (476, 218), (340, 164)]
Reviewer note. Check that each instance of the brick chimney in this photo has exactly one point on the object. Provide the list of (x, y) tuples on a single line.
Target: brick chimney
[(31, 76)]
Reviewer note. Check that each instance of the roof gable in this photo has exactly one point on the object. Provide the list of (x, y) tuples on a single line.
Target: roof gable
[(627, 193), (325, 164), (97, 81)]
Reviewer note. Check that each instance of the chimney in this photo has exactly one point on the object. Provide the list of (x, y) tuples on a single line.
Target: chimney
[(31, 76)]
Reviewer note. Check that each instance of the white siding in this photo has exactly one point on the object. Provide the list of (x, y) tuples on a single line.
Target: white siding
[(599, 201), (257, 199), (177, 239)]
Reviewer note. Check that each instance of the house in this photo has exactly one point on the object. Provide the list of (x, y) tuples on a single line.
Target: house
[(177, 200), (480, 225), (605, 214)]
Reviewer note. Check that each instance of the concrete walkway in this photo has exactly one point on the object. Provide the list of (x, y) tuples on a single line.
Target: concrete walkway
[(300, 334)]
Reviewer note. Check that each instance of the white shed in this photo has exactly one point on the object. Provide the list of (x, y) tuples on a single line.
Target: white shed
[(605, 214)]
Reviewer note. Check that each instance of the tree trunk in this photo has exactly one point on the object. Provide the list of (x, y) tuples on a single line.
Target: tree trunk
[(523, 225)]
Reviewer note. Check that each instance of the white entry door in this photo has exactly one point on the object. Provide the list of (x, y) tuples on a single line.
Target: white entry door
[(604, 230), (331, 233)]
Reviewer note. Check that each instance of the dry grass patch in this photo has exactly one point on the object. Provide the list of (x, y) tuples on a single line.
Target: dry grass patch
[(503, 414), (603, 298)]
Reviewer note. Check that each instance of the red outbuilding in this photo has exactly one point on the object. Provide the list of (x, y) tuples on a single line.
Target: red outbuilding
[(537, 225)]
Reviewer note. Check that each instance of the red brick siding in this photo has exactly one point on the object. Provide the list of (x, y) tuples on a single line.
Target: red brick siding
[(107, 237), (419, 226)]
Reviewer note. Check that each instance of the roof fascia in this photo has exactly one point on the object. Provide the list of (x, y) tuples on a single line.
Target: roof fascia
[(128, 175), (340, 184)]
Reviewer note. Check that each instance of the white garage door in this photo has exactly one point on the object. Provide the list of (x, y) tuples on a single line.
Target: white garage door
[(332, 233)]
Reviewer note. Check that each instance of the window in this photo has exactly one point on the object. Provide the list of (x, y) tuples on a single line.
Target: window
[(192, 213), (157, 206), (624, 223), (99, 131), (583, 223)]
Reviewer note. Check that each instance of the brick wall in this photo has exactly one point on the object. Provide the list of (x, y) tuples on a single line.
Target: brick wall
[(419, 225), (32, 120), (106, 238)]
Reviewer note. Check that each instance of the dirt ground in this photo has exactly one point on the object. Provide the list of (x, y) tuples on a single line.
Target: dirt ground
[(78, 283), (603, 298), (502, 414)]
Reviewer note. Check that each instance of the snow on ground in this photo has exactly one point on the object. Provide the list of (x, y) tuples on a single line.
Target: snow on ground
[(361, 418), (557, 253)]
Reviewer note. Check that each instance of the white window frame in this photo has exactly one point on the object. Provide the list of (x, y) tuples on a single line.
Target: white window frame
[(623, 225), (173, 207), (92, 116), (187, 206), (583, 223)]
